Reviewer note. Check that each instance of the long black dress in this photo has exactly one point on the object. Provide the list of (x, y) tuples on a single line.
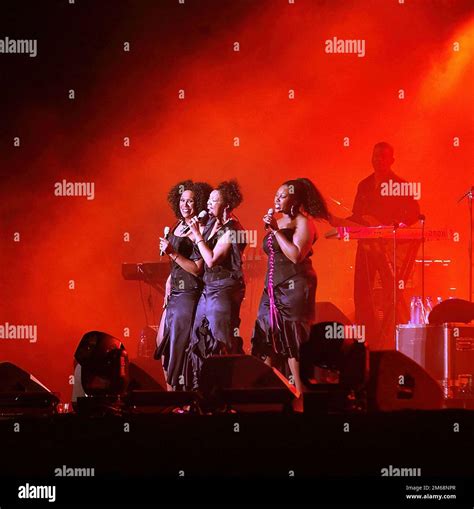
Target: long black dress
[(217, 320), (185, 293), (294, 290)]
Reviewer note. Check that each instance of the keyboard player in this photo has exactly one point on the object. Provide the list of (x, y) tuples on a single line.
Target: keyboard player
[(373, 206)]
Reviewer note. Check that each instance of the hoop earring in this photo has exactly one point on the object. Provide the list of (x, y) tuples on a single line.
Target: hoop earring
[(224, 215), (292, 211)]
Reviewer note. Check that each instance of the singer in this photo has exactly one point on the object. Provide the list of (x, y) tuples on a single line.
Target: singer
[(184, 284), (215, 329), (286, 309)]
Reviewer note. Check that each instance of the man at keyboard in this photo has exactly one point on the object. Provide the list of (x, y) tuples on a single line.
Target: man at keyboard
[(383, 198)]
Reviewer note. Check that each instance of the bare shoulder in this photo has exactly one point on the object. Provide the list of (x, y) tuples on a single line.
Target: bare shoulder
[(306, 226), (304, 223)]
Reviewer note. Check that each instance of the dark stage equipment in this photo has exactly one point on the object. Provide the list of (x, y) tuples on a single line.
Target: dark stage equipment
[(397, 383), (106, 382), (244, 383), (21, 393), (452, 310), (146, 374), (147, 390), (329, 312), (104, 364), (445, 351), (334, 368)]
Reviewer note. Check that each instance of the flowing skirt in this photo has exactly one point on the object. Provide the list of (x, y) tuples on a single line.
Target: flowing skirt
[(179, 318), (216, 324), (294, 300)]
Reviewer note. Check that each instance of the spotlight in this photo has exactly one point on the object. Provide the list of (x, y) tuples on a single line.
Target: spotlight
[(102, 366)]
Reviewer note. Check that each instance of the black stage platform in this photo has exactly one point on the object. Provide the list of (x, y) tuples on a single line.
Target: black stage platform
[(243, 458)]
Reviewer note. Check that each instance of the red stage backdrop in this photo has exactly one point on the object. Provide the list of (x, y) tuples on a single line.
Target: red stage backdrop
[(133, 96)]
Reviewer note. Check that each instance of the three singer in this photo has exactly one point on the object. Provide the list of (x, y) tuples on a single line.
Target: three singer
[(206, 284)]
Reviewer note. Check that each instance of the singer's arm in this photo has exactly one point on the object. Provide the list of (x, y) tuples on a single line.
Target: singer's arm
[(194, 267), (211, 257), (297, 249)]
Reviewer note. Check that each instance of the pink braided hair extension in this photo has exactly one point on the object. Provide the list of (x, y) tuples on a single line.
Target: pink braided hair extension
[(271, 268)]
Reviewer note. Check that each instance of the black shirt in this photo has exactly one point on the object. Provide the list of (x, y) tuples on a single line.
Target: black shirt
[(387, 209)]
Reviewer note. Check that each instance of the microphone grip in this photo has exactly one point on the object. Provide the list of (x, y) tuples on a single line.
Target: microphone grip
[(165, 235), (269, 213)]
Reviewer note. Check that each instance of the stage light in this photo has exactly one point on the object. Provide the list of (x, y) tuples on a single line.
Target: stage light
[(103, 363)]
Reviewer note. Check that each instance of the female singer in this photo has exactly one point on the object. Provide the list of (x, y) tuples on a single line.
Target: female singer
[(215, 329), (286, 309), (184, 284)]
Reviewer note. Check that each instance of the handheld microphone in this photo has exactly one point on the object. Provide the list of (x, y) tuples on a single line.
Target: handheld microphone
[(166, 232), (269, 213), (202, 215)]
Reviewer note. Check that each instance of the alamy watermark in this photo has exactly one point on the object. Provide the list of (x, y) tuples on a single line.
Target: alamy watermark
[(65, 188), (37, 492), (392, 188), (21, 46), (349, 46), (340, 331), (12, 331), (65, 471), (392, 471), (248, 237)]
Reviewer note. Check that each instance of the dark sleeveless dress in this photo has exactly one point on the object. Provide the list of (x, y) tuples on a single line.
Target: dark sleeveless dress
[(294, 288), (185, 292), (217, 320)]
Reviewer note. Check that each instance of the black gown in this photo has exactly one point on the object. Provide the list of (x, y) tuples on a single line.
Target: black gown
[(185, 293), (294, 289), (217, 319)]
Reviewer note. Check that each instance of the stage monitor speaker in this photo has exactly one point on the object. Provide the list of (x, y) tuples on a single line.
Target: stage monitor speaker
[(398, 383), (329, 312), (245, 380), (146, 374), (23, 394), (14, 379)]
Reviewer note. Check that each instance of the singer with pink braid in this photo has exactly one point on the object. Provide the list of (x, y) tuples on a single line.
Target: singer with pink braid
[(286, 309), (184, 284)]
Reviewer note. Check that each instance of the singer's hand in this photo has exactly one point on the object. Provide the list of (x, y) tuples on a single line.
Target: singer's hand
[(270, 221), (165, 246), (194, 227)]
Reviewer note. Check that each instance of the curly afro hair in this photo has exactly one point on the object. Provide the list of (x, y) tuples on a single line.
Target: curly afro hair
[(307, 195), (231, 193), (201, 191)]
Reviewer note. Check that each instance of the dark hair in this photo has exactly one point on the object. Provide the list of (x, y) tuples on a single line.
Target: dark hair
[(308, 196), (231, 193), (201, 191)]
